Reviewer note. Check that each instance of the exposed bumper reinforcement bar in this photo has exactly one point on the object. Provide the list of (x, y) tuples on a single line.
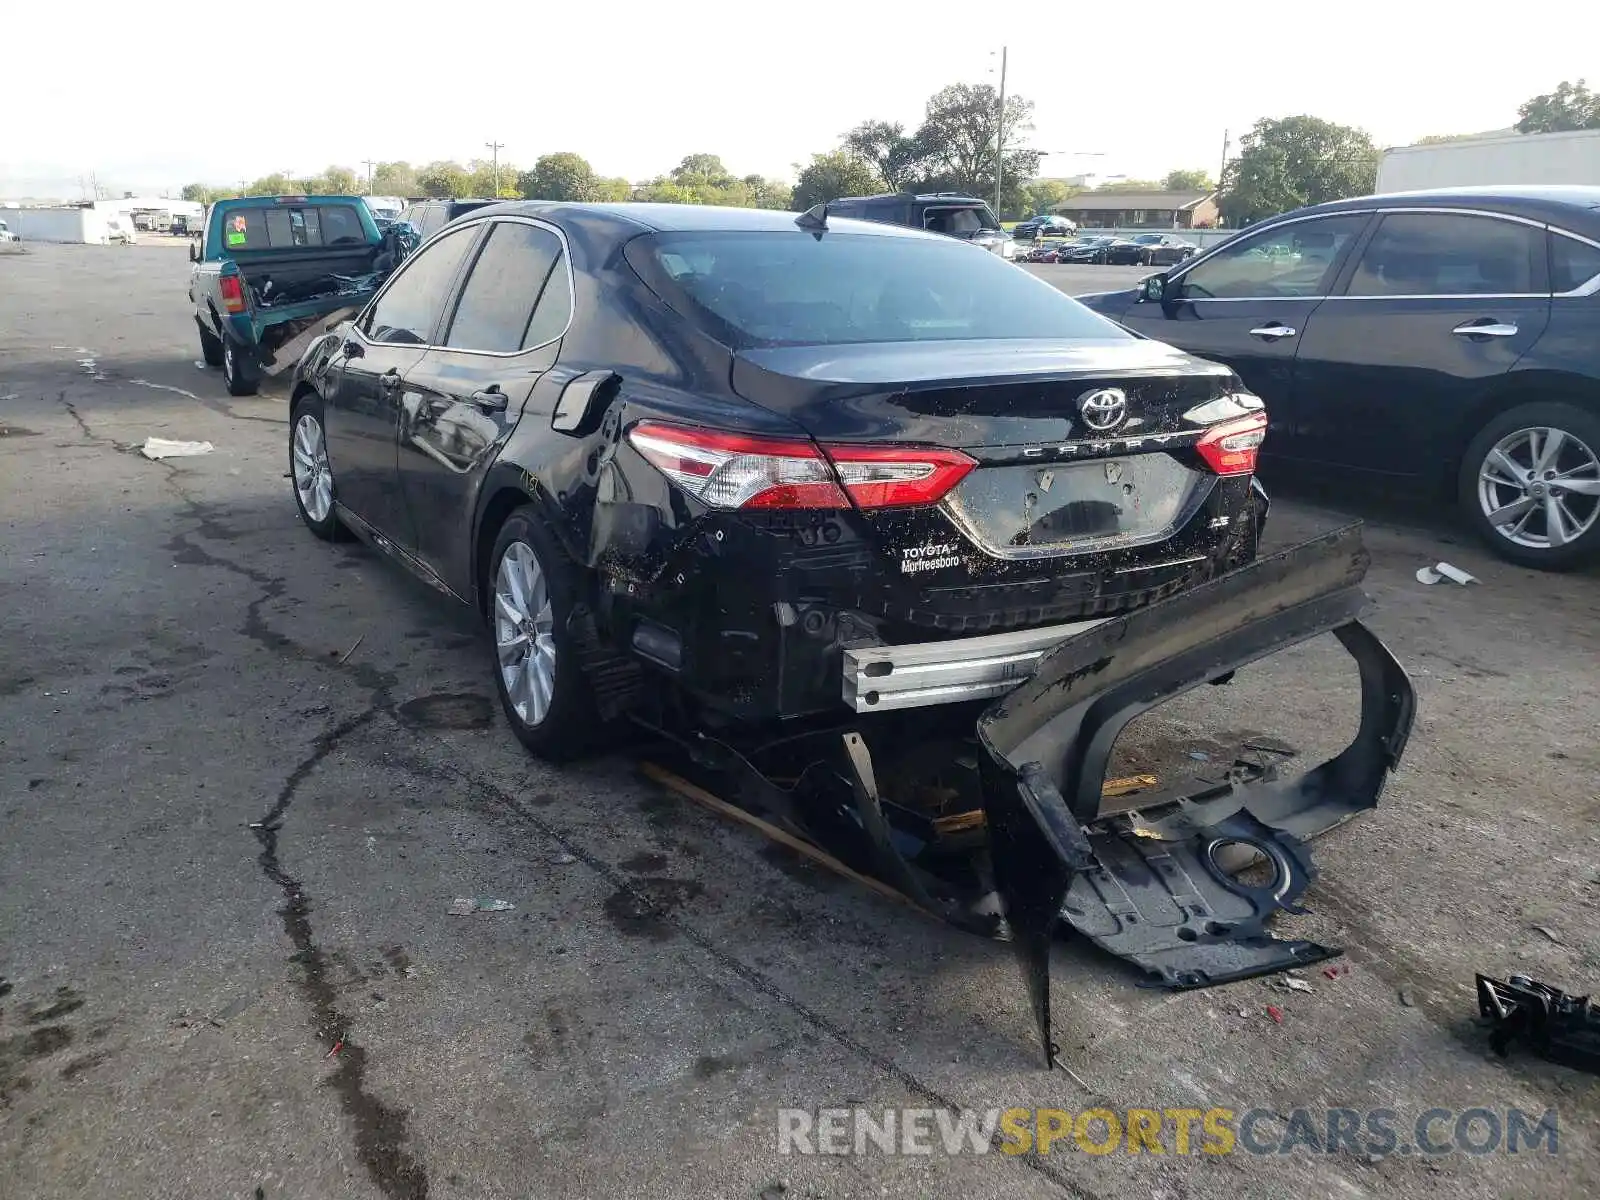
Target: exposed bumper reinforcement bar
[(885, 678), (1157, 886)]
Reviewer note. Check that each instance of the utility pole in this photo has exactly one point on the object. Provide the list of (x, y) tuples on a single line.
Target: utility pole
[(495, 148), (1000, 133), (1225, 144), (369, 164)]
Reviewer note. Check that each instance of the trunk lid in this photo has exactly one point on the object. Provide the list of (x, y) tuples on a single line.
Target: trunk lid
[(1053, 475)]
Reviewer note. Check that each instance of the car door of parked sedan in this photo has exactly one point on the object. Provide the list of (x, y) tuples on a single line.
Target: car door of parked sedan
[(465, 397), (1249, 304), (1436, 308), (361, 411)]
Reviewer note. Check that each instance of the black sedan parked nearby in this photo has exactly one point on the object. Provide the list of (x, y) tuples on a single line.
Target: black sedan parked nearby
[(1102, 248), (682, 456), (1449, 339), (1162, 249)]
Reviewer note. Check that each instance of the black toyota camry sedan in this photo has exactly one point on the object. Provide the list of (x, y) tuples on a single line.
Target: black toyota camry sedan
[(703, 453), (1444, 340)]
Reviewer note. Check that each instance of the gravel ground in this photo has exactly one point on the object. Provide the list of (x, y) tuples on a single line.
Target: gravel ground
[(194, 1006)]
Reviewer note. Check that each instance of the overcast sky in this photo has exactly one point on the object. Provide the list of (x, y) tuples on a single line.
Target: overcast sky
[(231, 92)]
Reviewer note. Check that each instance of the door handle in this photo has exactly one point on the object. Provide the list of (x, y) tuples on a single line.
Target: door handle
[(491, 399), (389, 380), (1272, 333), (1487, 329)]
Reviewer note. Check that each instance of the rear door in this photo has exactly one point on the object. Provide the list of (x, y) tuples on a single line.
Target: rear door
[(1248, 305), (362, 410), (464, 398), (1438, 305)]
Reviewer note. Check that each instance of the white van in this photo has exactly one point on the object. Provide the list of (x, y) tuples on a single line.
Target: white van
[(6, 235)]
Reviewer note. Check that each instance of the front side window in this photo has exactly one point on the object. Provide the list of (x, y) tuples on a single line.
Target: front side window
[(511, 301), (409, 307), (1296, 259), (1449, 254), (775, 288), (1572, 263)]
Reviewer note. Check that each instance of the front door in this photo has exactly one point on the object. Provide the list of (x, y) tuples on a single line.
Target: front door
[(362, 414), (465, 397), (1437, 308), (1250, 304)]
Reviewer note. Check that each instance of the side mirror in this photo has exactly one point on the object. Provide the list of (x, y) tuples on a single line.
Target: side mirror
[(1153, 289), (194, 251)]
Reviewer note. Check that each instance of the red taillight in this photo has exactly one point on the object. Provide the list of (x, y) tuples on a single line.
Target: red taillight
[(735, 470), (232, 290), (1231, 448), (897, 476)]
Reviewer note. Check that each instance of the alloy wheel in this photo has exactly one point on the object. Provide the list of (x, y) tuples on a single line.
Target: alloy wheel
[(313, 477), (1540, 487), (524, 633)]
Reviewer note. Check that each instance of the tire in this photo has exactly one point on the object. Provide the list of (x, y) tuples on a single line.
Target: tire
[(567, 724), (236, 373), (313, 488), (1497, 474), (210, 346)]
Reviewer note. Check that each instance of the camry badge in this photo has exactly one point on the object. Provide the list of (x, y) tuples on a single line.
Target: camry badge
[(1103, 409)]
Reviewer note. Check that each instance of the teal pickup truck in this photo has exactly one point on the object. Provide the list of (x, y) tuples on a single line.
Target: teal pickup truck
[(270, 268)]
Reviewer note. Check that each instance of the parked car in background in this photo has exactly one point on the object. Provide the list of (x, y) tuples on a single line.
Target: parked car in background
[(1449, 340), (430, 216), (1045, 225), (6, 235), (949, 213), (1101, 248), (1162, 249), (627, 435)]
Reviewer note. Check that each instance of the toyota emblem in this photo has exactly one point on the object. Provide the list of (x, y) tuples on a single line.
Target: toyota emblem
[(1103, 409)]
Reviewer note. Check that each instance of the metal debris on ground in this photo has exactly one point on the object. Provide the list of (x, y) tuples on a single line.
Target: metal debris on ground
[(345, 657), (564, 859), (159, 448), (1432, 575), (1556, 1026), (1547, 932), (465, 906), (1293, 985)]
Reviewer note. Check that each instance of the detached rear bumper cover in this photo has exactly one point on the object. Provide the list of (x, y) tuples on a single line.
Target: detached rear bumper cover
[(1154, 887)]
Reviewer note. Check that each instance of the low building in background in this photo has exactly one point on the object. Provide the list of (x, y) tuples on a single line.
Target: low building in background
[(1141, 210)]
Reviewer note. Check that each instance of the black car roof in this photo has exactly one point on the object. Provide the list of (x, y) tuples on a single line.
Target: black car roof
[(1573, 205), (629, 219)]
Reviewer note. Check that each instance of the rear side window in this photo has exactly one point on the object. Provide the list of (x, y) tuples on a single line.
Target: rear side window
[(1572, 263), (1449, 254), (517, 295), (792, 289), (287, 227), (410, 306)]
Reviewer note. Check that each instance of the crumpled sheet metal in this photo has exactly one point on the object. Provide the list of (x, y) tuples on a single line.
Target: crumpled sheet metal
[(1157, 887)]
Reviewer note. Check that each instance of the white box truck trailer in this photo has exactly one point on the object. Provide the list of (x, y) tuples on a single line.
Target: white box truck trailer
[(1536, 158)]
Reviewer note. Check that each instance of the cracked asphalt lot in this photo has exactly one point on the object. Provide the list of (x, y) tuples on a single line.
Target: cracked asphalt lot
[(243, 774)]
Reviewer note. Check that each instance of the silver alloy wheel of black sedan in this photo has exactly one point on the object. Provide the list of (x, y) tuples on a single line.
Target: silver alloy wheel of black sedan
[(1539, 487), (313, 477), (524, 633)]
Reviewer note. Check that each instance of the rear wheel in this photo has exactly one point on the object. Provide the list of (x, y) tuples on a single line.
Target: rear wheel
[(237, 373), (210, 347), (1530, 484), (533, 588)]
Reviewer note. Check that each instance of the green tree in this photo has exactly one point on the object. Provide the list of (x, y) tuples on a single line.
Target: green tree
[(1295, 161), (767, 193), (957, 139), (893, 154), (203, 193), (700, 170), (1188, 180), (560, 176), (832, 175), (483, 178), (1570, 106), (1041, 196), (1128, 185), (444, 180), (394, 179), (277, 184), (612, 190)]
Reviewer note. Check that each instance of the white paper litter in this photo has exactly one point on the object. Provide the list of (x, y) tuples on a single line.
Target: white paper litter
[(1432, 575), (155, 447)]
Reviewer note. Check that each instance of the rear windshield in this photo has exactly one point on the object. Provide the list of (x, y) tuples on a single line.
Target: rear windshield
[(287, 226), (794, 289)]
